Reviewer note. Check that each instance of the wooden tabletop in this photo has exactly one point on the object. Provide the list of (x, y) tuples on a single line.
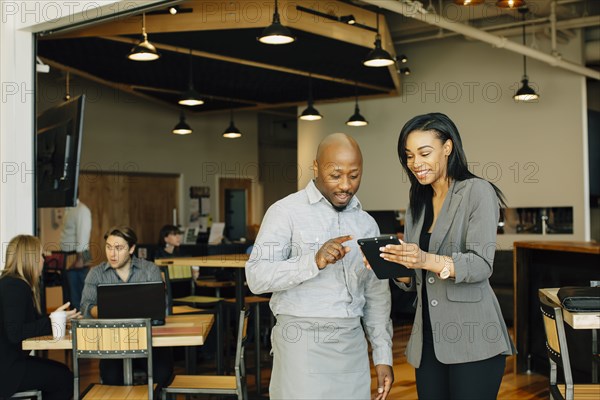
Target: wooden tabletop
[(178, 330), (214, 261), (577, 320), (574, 247)]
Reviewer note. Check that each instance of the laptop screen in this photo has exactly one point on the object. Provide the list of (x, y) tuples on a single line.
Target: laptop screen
[(132, 300)]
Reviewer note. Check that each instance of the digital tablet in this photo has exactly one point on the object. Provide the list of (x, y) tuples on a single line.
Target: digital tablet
[(383, 269)]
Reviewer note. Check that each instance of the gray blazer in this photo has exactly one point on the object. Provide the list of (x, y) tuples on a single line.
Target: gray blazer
[(465, 315)]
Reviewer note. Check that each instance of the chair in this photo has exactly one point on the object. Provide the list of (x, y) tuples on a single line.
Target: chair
[(212, 283), (54, 275), (558, 353), (216, 384), (114, 339), (190, 305), (254, 302), (28, 394)]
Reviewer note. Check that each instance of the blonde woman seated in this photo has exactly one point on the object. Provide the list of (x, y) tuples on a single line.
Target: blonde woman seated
[(21, 318)]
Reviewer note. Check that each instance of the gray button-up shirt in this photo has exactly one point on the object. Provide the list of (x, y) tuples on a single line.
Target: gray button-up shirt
[(283, 262), (141, 271)]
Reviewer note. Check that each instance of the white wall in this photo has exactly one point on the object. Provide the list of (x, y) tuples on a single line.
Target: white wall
[(18, 19), (533, 152), (129, 134)]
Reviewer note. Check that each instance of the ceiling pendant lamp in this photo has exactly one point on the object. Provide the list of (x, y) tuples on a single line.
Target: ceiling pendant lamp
[(144, 50), (191, 97), (276, 33), (510, 3), (182, 128), (356, 119), (525, 93), (468, 2), (378, 57), (310, 113), (232, 132)]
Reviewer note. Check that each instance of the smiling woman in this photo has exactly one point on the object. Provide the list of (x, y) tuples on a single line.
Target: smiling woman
[(451, 221)]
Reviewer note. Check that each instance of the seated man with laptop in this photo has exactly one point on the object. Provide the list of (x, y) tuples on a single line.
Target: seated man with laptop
[(101, 297)]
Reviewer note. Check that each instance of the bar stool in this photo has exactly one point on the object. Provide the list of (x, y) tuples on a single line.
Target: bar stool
[(212, 283), (28, 394), (195, 305)]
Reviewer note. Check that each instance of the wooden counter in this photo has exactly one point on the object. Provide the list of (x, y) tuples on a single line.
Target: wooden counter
[(545, 264)]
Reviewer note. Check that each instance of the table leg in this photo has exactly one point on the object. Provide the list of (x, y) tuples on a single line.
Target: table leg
[(127, 372), (594, 353), (239, 292), (257, 346)]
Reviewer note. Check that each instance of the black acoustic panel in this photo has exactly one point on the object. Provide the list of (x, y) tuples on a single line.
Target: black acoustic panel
[(107, 60), (310, 52)]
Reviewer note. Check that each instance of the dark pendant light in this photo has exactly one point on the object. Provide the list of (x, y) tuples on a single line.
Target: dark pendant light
[(378, 57), (182, 128), (356, 119), (232, 132), (310, 113), (144, 50), (191, 97), (526, 92), (276, 33), (510, 3)]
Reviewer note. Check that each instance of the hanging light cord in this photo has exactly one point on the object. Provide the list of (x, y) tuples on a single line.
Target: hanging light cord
[(68, 94), (524, 44), (191, 76), (144, 26)]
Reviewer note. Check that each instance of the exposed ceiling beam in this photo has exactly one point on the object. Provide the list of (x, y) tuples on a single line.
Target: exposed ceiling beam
[(252, 106), (117, 86), (203, 95), (415, 10), (235, 60), (209, 15)]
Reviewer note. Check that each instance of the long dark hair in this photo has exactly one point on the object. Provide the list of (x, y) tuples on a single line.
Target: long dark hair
[(165, 231), (457, 170)]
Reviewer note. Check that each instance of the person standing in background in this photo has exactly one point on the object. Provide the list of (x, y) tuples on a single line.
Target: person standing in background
[(75, 237)]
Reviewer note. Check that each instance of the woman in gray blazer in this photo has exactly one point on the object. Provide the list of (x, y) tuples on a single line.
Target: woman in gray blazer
[(459, 341)]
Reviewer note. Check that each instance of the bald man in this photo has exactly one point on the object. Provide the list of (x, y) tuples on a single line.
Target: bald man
[(307, 256)]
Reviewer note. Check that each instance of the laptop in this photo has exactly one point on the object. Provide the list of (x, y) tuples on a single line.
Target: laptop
[(133, 300)]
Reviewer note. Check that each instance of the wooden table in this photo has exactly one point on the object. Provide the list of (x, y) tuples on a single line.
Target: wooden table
[(178, 330), (547, 264), (237, 261)]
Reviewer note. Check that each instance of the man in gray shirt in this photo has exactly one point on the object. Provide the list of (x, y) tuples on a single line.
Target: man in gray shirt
[(306, 255), (121, 267)]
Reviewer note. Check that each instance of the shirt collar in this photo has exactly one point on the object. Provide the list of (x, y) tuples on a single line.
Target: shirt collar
[(314, 196)]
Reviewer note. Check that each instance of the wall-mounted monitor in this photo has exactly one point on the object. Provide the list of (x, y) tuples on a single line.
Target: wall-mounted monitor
[(58, 150)]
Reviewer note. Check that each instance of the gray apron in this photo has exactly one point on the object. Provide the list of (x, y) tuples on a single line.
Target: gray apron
[(319, 358)]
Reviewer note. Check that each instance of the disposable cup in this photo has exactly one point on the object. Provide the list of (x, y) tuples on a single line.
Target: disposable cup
[(58, 320)]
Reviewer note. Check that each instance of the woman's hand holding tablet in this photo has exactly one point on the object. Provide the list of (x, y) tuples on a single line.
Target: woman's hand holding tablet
[(383, 269)]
